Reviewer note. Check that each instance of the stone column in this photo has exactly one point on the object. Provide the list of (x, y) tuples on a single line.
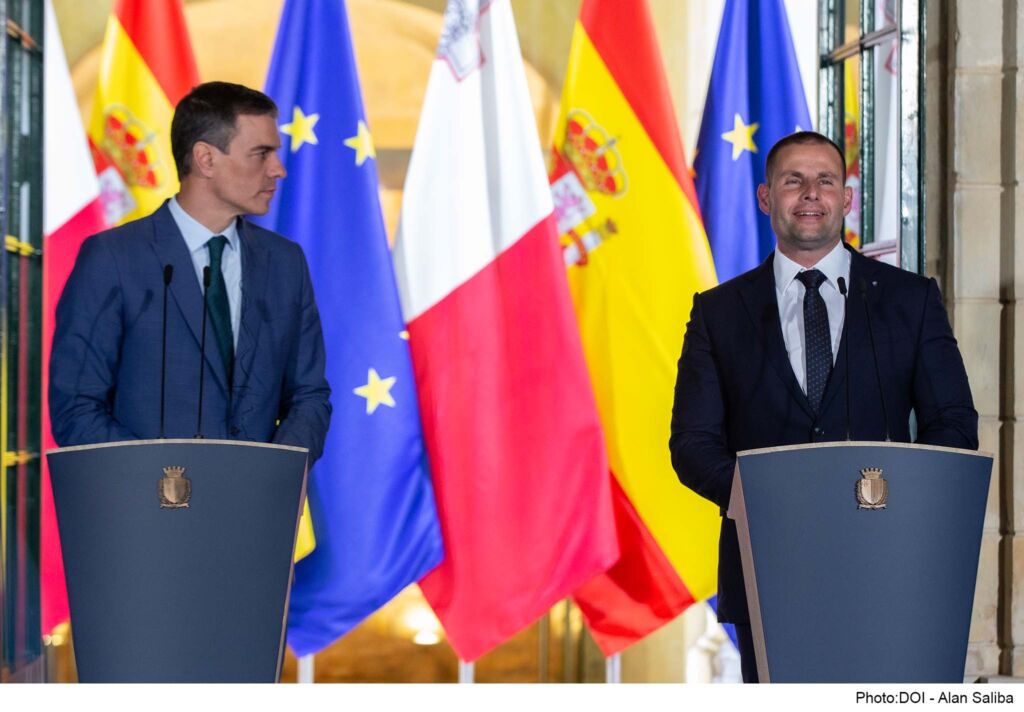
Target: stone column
[(979, 97), (1012, 548)]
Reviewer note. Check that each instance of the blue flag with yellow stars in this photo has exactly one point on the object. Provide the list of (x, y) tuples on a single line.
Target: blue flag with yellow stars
[(370, 494), (755, 97)]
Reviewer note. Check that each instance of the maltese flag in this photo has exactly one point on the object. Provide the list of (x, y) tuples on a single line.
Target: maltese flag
[(512, 429)]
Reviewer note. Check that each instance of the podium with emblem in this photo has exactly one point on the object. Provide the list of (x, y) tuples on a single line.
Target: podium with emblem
[(860, 559), (178, 557)]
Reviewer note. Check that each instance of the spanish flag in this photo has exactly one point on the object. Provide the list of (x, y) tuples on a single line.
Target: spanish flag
[(636, 252), (146, 67)]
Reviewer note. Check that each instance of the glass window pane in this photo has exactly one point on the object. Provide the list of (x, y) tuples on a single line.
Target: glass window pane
[(852, 144), (886, 173), (851, 29), (885, 14)]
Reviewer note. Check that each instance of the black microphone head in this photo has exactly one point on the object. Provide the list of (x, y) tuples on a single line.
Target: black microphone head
[(168, 273), (206, 277), (842, 285)]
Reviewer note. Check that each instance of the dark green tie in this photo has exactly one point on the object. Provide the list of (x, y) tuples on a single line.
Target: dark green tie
[(217, 298)]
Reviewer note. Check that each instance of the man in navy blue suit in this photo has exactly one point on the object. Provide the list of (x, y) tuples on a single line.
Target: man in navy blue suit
[(764, 360), (264, 357)]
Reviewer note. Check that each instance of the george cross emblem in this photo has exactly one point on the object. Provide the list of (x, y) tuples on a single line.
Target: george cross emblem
[(460, 38)]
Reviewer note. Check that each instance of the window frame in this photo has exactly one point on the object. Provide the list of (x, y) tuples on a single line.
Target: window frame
[(908, 248), (21, 218)]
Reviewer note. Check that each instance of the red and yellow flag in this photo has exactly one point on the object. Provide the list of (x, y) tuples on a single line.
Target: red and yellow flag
[(636, 253), (146, 67)]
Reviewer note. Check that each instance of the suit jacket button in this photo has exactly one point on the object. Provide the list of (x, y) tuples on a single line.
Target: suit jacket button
[(819, 431), (235, 430)]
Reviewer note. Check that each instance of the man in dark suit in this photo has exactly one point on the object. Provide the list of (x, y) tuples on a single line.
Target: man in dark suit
[(764, 360), (264, 371)]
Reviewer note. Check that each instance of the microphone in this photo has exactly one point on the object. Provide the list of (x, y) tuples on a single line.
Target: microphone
[(202, 353), (846, 348), (168, 274), (874, 356)]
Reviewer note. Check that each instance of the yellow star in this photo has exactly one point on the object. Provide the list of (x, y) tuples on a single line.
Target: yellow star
[(301, 128), (362, 144), (741, 137), (376, 391)]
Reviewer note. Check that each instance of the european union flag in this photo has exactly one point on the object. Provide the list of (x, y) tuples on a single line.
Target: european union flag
[(370, 495), (755, 98), (729, 628)]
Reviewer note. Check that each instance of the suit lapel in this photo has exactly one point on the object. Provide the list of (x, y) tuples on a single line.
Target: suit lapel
[(255, 272), (171, 249), (758, 294)]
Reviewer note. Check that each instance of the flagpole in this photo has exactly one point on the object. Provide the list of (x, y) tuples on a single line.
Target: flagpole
[(306, 666), (568, 659), (465, 673), (613, 669), (543, 643)]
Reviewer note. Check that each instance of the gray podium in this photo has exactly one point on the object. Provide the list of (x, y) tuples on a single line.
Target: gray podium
[(860, 559), (178, 557)]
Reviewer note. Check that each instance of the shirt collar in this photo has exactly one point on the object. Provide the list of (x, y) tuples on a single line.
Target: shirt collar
[(834, 265), (195, 233)]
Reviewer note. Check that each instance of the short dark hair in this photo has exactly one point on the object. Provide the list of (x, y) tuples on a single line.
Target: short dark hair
[(801, 138), (209, 113)]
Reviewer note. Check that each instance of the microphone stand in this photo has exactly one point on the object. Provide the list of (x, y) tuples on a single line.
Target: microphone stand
[(168, 274), (202, 353), (846, 349), (874, 356)]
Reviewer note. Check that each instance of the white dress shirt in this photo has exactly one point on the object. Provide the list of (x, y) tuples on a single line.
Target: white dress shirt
[(196, 236), (789, 292)]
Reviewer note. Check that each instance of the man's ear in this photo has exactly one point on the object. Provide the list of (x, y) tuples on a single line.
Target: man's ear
[(762, 199), (202, 158)]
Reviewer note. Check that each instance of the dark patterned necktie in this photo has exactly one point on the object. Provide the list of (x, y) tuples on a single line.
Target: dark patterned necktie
[(817, 337), (217, 297)]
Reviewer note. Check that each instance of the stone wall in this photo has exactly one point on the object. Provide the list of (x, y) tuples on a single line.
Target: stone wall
[(976, 210)]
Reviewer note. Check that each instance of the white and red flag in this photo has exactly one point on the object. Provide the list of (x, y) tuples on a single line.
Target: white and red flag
[(514, 439), (71, 212)]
